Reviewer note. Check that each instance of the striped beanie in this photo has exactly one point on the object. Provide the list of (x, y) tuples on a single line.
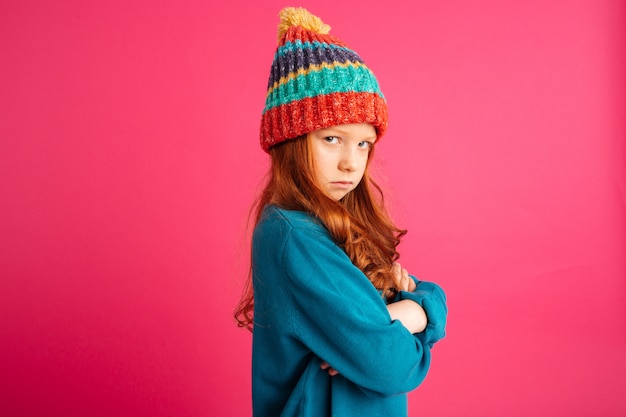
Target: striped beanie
[(316, 82)]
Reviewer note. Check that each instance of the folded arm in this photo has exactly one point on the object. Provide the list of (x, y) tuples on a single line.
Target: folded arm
[(420, 307)]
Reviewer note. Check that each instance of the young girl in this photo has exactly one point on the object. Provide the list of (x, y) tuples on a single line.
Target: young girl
[(339, 327)]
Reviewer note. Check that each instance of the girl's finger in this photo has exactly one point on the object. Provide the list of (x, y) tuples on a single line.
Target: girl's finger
[(326, 367)]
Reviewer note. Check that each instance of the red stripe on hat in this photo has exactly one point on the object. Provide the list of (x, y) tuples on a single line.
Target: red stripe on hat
[(303, 116)]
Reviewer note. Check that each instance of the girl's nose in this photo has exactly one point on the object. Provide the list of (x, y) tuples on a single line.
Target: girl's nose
[(348, 161)]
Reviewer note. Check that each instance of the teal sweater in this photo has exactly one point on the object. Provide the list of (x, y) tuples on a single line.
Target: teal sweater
[(312, 304)]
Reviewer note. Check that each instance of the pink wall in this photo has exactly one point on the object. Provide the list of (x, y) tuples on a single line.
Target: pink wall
[(129, 159)]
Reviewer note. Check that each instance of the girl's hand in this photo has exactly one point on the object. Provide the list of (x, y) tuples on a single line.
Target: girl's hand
[(403, 281), (331, 371), (410, 314)]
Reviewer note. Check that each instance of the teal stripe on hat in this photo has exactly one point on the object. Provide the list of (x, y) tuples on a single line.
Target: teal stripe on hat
[(298, 44), (325, 81)]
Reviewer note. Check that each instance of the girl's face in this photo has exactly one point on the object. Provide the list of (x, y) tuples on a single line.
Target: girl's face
[(340, 156)]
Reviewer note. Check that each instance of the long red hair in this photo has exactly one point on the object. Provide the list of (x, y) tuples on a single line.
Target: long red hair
[(358, 223)]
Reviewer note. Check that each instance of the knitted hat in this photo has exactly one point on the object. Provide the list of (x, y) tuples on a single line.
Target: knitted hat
[(316, 82)]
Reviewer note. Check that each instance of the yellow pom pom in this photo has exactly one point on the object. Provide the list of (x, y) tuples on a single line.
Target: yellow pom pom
[(298, 16)]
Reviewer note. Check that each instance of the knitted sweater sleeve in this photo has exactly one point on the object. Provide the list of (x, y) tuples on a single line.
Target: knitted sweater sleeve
[(338, 314)]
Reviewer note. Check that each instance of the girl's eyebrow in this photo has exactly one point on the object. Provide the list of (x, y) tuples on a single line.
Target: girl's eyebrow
[(331, 131)]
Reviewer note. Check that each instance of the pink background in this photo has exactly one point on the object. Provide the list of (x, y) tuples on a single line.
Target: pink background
[(129, 159)]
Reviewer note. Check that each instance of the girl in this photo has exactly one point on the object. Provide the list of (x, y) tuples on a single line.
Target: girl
[(339, 327)]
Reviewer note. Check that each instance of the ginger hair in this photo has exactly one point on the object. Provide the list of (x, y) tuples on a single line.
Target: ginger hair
[(358, 223)]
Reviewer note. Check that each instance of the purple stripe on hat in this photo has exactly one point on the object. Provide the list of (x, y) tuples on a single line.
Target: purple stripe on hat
[(302, 58)]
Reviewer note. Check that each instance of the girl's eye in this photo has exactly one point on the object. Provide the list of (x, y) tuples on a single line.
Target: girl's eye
[(331, 139), (365, 144)]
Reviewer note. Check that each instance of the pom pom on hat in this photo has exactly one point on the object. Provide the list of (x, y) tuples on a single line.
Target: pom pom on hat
[(298, 16), (316, 81)]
